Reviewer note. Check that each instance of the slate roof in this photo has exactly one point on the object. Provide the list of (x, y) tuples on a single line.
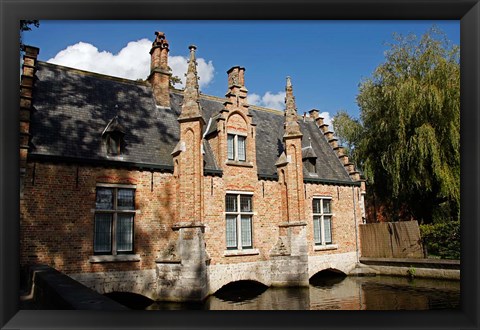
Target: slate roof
[(72, 108)]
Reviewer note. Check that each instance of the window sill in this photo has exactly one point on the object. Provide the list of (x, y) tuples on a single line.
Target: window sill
[(246, 252), (238, 163), (117, 258), (325, 247)]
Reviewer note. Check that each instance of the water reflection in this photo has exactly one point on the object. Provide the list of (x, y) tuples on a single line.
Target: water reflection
[(339, 293)]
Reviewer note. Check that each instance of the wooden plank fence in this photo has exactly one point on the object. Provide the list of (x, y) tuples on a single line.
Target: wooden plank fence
[(391, 240)]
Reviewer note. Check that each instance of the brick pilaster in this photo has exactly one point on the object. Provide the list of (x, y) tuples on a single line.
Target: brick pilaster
[(26, 99), (293, 168), (188, 155)]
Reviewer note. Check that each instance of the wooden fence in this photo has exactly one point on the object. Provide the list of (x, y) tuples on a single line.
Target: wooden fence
[(391, 240)]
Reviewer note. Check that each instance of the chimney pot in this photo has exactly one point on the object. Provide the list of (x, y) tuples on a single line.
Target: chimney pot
[(159, 77), (314, 113)]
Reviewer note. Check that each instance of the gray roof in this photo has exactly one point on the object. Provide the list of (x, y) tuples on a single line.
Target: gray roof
[(72, 109)]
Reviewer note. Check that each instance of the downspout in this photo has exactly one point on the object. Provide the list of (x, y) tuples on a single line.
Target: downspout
[(355, 220)]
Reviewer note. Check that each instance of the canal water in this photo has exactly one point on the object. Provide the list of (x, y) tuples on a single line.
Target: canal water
[(333, 293)]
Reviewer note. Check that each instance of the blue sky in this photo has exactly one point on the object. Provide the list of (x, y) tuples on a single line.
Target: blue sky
[(325, 59)]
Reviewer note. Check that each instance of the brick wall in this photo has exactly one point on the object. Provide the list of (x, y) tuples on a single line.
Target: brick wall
[(343, 219), (57, 217)]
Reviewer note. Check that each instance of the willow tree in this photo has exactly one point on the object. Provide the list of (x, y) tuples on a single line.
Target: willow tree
[(349, 131), (410, 111)]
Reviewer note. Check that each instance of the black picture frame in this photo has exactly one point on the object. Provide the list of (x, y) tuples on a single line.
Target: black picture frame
[(467, 11)]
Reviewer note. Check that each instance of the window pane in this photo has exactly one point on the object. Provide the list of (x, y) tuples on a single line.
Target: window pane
[(102, 241), (245, 203), (246, 225), (327, 227), (311, 165), (317, 237), (316, 206), (231, 230), (241, 148), (104, 199), (125, 199), (124, 233), (230, 148), (327, 206), (231, 203), (113, 145)]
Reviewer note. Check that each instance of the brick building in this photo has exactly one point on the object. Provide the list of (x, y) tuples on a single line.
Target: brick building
[(136, 186)]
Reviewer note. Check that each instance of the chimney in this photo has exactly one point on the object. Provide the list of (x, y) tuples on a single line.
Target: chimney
[(26, 95), (160, 74)]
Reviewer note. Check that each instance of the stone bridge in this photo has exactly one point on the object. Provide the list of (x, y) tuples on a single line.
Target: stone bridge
[(279, 271), (185, 272)]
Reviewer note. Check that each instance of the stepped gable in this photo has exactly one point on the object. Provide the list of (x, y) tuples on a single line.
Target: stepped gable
[(328, 165)]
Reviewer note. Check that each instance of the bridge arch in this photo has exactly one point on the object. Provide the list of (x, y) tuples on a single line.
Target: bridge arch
[(221, 275), (327, 278), (329, 272), (240, 290), (344, 263)]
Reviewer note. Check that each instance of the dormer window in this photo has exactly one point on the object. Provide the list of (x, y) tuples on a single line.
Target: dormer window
[(309, 160), (113, 138), (114, 144), (310, 165), (236, 147)]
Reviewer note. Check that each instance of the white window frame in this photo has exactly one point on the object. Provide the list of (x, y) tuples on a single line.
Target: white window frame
[(238, 214), (235, 147), (114, 212), (321, 217)]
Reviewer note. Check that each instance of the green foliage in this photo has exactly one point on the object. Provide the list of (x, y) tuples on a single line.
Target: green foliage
[(411, 272), (410, 111), (174, 79), (349, 131), (442, 239)]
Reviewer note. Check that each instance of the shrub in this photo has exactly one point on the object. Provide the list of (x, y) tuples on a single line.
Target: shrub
[(442, 239)]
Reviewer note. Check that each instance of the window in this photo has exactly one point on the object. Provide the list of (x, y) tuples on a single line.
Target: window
[(236, 146), (113, 137), (114, 144), (310, 165), (114, 219), (239, 214), (322, 221)]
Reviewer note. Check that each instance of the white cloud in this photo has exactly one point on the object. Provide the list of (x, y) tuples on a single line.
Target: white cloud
[(131, 62), (179, 65), (254, 99), (277, 101), (268, 100)]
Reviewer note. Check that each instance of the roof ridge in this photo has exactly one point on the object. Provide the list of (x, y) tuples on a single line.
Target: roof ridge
[(95, 74), (144, 83), (223, 99)]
